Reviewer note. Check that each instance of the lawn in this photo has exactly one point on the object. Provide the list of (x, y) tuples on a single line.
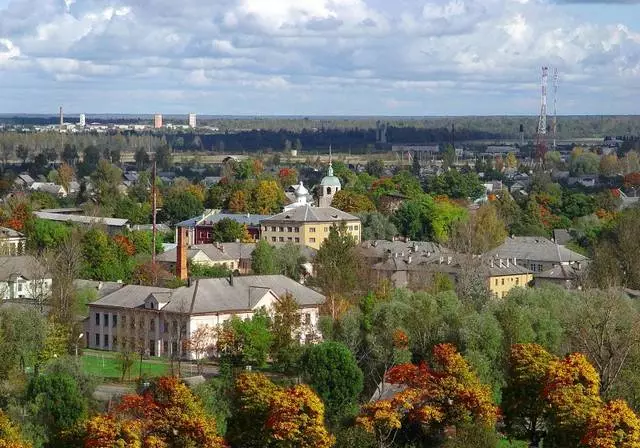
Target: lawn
[(106, 366)]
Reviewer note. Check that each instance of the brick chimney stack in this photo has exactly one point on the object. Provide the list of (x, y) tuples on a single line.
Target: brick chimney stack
[(181, 259)]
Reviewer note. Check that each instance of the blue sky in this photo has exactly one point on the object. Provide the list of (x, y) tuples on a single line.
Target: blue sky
[(317, 57)]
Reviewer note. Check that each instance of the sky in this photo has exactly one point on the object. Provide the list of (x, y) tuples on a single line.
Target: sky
[(318, 57)]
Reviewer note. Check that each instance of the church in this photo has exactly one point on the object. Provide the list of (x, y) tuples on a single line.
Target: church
[(306, 224)]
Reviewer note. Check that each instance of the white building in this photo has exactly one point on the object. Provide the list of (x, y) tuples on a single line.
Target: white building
[(12, 242), (83, 121), (157, 321), (192, 120), (23, 277)]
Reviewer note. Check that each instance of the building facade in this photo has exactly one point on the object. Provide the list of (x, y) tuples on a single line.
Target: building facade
[(157, 121), (12, 242), (308, 226), (158, 321), (201, 227)]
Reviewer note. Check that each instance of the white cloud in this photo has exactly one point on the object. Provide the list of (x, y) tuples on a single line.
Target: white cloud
[(360, 54)]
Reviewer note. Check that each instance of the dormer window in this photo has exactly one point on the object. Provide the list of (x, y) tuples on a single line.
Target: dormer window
[(151, 305)]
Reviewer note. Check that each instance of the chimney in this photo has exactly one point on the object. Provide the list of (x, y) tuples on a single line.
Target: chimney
[(231, 278), (449, 260), (181, 259), (409, 260), (492, 262), (507, 262), (441, 259), (514, 261), (501, 265)]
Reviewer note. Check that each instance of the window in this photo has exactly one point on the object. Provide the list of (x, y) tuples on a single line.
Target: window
[(289, 229), (312, 230), (297, 240), (355, 227), (517, 281), (19, 287), (307, 318), (496, 282), (106, 319), (165, 347), (114, 321), (106, 341), (165, 328), (281, 229), (274, 239), (326, 229), (231, 265), (97, 318), (502, 282), (312, 240), (114, 342), (281, 239), (97, 340), (151, 305), (152, 325), (297, 229), (289, 238), (273, 228), (328, 190), (124, 320), (350, 228)]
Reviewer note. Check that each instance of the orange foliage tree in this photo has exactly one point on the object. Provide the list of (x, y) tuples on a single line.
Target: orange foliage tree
[(166, 414), (523, 403), (10, 434), (572, 392), (125, 244), (239, 202), (447, 394), (614, 426), (287, 176), (268, 415)]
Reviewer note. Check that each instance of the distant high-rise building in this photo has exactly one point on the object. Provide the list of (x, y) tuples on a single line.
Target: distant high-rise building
[(192, 120), (61, 118), (83, 120), (157, 121)]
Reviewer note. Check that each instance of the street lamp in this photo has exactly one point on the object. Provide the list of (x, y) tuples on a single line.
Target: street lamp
[(77, 342)]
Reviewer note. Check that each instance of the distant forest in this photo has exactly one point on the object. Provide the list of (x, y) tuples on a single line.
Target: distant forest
[(355, 133)]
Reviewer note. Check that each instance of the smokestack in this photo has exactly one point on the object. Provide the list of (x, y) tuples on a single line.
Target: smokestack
[(61, 118), (521, 134), (181, 259)]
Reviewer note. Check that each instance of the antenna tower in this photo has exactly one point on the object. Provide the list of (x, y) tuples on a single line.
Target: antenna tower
[(555, 104), (541, 143)]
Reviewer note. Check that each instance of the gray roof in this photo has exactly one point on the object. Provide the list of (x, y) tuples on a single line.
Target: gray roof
[(115, 222), (385, 248), (25, 266), (535, 248), (162, 228), (212, 217), (307, 213), (6, 232), (561, 236), (102, 288), (213, 295), (561, 272)]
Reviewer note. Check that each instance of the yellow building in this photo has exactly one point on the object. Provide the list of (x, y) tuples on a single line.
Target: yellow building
[(307, 226), (505, 274)]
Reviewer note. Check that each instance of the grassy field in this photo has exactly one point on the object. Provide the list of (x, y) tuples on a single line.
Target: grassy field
[(106, 366)]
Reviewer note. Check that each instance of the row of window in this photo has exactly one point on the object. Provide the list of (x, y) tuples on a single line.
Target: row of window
[(297, 229), (517, 280), (150, 349), (165, 326)]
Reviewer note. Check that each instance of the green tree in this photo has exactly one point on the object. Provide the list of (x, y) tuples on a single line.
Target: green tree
[(448, 156), (135, 212), (180, 206), (375, 168), (331, 370), (22, 334), (141, 157), (100, 257), (376, 226), (263, 259), (584, 163), (336, 263), (286, 328), (43, 234), (456, 185), (227, 231), (163, 157), (245, 342), (414, 218), (289, 261), (106, 182), (55, 402)]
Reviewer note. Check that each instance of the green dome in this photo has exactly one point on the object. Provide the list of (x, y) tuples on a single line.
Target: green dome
[(330, 181)]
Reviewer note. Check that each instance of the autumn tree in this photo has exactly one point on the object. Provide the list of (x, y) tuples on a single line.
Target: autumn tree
[(571, 391), (614, 426), (482, 232), (228, 230), (10, 436), (266, 415), (239, 202), (268, 197), (65, 175), (523, 403), (511, 161), (445, 395), (352, 202), (609, 165), (165, 414), (287, 177)]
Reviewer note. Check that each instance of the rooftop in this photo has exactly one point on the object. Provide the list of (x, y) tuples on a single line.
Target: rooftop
[(211, 217), (535, 248), (307, 213), (213, 295), (115, 222), (25, 266)]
